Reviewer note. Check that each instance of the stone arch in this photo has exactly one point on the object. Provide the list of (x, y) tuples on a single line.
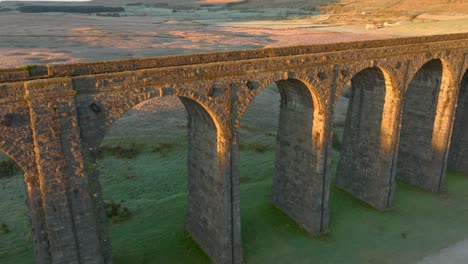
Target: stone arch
[(299, 183), (20, 160), (459, 145), (200, 113), (426, 125), (256, 84), (365, 168), (417, 64), (207, 210), (349, 71), (97, 113)]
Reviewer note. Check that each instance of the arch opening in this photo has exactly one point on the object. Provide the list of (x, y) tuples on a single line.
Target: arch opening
[(459, 143), (421, 155), (281, 154), (16, 234), (365, 167), (158, 171)]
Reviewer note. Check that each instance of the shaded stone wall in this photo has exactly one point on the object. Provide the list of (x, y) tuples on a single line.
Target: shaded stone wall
[(416, 152), (459, 147), (208, 218), (297, 186), (365, 166)]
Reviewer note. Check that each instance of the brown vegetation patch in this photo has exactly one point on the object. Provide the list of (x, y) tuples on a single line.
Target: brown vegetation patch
[(129, 152)]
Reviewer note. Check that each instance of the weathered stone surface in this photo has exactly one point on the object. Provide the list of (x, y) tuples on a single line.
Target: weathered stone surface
[(299, 181), (366, 166), (459, 148), (419, 159), (52, 126), (209, 210)]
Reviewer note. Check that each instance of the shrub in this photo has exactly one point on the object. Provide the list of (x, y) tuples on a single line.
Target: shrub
[(164, 148), (116, 212), (4, 229), (9, 168), (256, 147), (121, 152)]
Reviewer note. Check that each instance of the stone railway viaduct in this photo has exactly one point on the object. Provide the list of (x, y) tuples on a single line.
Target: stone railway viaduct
[(402, 119)]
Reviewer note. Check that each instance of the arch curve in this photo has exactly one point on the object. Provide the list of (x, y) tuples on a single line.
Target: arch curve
[(95, 124), (20, 160), (446, 68), (299, 87), (200, 112), (388, 72), (22, 154)]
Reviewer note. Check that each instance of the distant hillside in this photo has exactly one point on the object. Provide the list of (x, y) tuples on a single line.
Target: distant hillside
[(405, 6), (413, 7), (382, 7), (237, 4), (68, 9)]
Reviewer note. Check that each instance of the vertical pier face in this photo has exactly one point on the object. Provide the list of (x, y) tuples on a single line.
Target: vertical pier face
[(70, 221), (365, 169), (420, 160), (458, 157), (209, 211), (299, 184), (36, 212), (16, 141)]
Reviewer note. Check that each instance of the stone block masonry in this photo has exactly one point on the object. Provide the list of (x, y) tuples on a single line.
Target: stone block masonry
[(459, 148), (366, 165), (409, 95)]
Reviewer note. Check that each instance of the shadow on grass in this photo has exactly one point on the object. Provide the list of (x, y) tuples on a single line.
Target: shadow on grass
[(256, 147), (120, 152)]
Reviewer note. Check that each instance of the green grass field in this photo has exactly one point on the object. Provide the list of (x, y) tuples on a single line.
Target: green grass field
[(153, 188), (420, 224)]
